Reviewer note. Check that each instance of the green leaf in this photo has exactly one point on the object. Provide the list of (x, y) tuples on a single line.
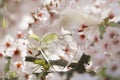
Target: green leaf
[(6, 68), (102, 30), (106, 21), (46, 67), (40, 62), (7, 65), (49, 38), (114, 24), (12, 74), (102, 72), (3, 22), (14, 78), (34, 36)]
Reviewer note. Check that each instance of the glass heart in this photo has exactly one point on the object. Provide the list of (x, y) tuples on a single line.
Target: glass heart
[(58, 50)]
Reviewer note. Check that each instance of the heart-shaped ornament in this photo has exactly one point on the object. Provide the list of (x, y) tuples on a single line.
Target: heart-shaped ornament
[(58, 50)]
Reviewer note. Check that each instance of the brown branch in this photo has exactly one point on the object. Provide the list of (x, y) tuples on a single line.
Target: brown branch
[(59, 62)]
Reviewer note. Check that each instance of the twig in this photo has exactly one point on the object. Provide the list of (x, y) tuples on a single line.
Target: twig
[(59, 62)]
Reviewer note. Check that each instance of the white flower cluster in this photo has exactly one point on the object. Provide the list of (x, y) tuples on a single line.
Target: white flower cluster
[(61, 30), (12, 56)]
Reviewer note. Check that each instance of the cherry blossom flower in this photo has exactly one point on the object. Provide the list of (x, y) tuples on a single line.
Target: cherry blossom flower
[(58, 77), (113, 68), (84, 76), (25, 76), (76, 22), (112, 36)]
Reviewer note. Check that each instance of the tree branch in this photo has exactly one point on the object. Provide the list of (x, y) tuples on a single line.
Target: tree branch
[(83, 60), (59, 62)]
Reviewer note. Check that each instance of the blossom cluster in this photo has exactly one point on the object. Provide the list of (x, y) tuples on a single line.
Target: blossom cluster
[(40, 39)]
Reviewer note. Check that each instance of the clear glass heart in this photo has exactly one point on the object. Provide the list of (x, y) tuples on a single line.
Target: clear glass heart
[(58, 50)]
